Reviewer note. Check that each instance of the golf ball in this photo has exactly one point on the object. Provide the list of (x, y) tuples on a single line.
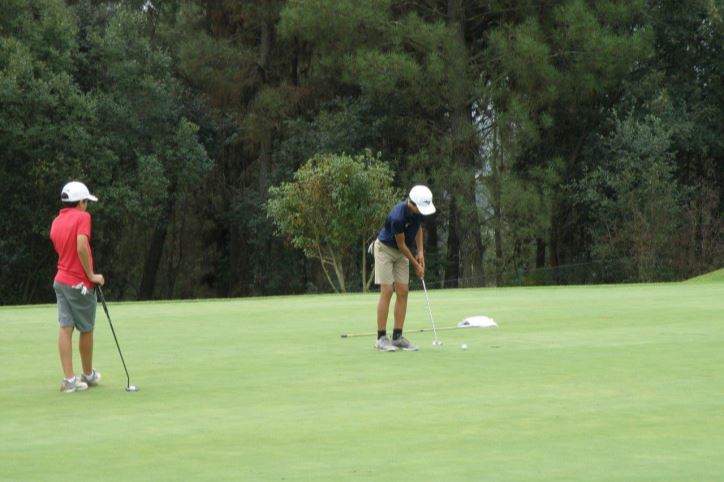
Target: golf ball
[(463, 346)]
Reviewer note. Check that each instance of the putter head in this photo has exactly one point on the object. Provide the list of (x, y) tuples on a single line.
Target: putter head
[(132, 388)]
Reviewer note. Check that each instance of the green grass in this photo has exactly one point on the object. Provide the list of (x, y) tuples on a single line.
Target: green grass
[(577, 383), (714, 276)]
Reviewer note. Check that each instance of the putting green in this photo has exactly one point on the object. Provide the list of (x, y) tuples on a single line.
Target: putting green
[(713, 277), (577, 383)]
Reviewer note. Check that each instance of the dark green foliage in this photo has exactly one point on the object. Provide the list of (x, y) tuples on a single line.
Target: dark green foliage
[(45, 137), (120, 130), (569, 132), (634, 198)]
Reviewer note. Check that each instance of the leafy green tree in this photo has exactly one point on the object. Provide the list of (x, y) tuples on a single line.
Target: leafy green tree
[(687, 71), (676, 86), (689, 40), (346, 125), (556, 73), (157, 160), (480, 96), (86, 96), (402, 60), (635, 199), (182, 113), (230, 54), (45, 139), (332, 209)]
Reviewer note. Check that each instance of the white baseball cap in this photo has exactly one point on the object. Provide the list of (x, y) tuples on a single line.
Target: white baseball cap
[(422, 197), (76, 191)]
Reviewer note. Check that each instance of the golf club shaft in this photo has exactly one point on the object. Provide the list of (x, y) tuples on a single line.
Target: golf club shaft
[(429, 310), (420, 330), (105, 308)]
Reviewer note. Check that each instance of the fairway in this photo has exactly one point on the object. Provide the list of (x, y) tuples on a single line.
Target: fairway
[(593, 383)]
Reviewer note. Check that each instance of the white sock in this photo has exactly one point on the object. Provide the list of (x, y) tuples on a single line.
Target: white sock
[(70, 380)]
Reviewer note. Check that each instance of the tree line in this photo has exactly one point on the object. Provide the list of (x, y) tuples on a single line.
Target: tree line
[(565, 141)]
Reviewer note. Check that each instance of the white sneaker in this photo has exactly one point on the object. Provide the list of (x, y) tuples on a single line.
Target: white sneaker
[(403, 343), (74, 385), (92, 379), (384, 344)]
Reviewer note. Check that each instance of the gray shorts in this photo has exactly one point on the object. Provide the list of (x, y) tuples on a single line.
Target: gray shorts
[(75, 308)]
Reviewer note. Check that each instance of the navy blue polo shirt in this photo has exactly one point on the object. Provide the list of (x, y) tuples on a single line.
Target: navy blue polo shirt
[(400, 220)]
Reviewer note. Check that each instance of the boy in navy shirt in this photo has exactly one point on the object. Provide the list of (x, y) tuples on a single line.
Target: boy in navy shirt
[(401, 233)]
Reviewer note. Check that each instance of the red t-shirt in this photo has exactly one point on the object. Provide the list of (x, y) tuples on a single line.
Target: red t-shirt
[(64, 232)]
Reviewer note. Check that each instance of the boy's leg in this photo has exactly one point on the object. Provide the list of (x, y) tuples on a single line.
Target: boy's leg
[(383, 306), (85, 346), (384, 277), (399, 341), (65, 348), (401, 291), (402, 288), (65, 331), (83, 303), (401, 270)]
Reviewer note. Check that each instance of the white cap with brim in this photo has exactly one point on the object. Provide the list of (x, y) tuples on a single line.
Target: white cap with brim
[(422, 197), (76, 191)]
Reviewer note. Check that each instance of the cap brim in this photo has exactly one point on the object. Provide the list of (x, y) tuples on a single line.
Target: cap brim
[(91, 197), (427, 210)]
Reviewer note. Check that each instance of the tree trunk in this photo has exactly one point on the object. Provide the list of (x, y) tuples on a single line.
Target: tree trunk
[(540, 254), (364, 267), (555, 236), (339, 272), (324, 261), (265, 154), (499, 261), (175, 256), (479, 275), (432, 255), (496, 182), (563, 243), (155, 249), (464, 147), (452, 264)]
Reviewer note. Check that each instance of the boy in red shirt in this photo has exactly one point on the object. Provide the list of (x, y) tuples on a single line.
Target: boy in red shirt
[(74, 284)]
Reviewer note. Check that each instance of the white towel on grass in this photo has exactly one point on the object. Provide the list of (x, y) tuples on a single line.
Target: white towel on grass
[(477, 322)]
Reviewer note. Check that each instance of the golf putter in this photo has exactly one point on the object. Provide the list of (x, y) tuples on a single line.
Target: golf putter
[(129, 387), (435, 342)]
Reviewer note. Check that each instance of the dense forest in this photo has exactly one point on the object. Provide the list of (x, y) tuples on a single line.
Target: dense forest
[(565, 141)]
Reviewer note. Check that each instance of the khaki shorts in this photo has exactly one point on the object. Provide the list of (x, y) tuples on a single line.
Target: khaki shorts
[(391, 266), (75, 308)]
